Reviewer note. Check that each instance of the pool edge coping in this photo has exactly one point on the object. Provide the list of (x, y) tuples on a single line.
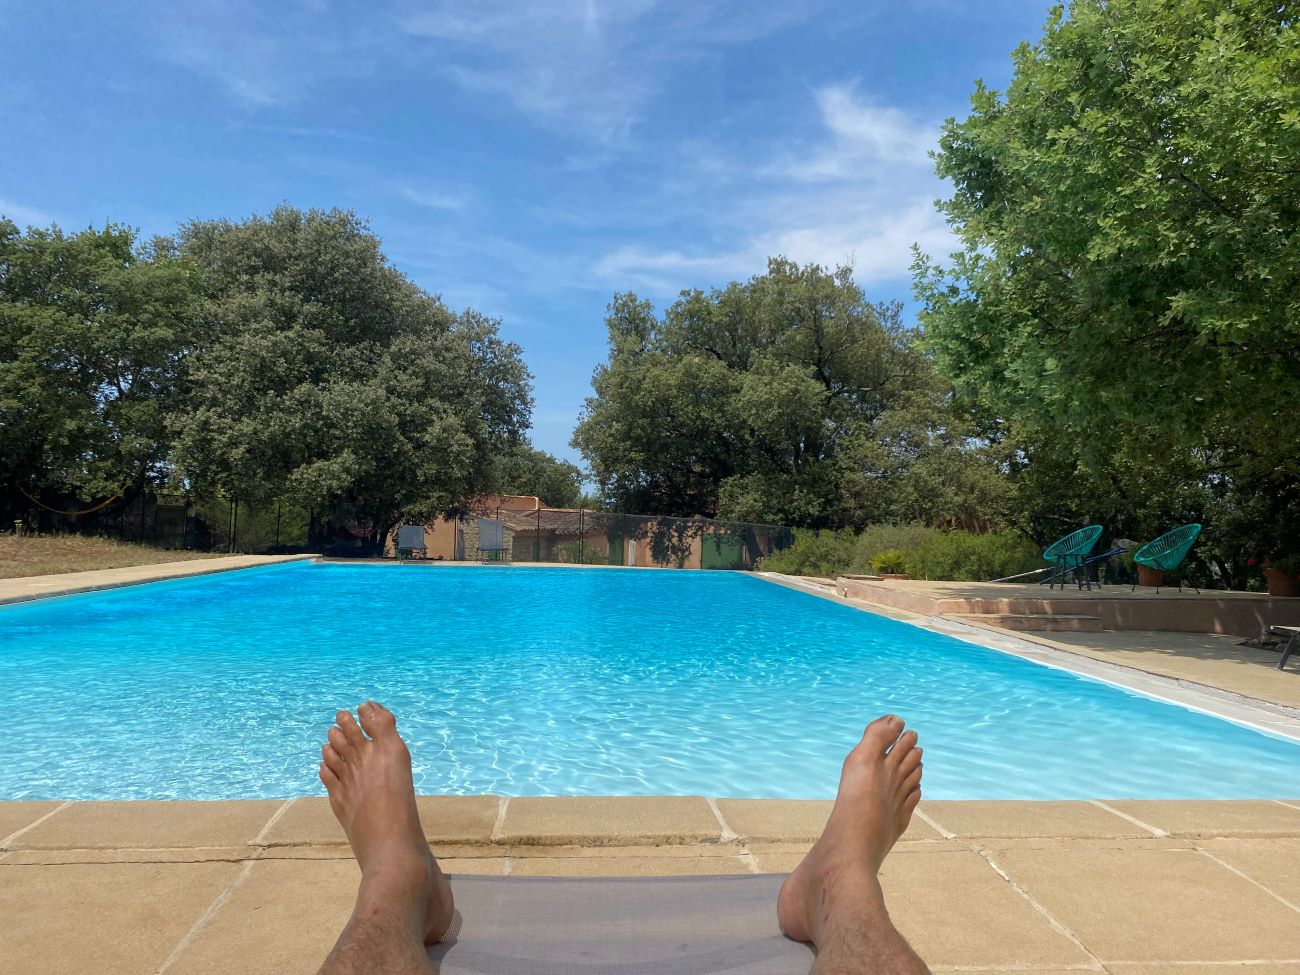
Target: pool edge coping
[(1258, 714), (169, 571)]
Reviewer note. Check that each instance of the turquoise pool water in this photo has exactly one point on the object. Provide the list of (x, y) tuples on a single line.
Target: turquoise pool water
[(523, 681)]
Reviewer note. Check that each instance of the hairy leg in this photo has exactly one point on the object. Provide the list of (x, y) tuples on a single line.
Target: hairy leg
[(404, 901), (833, 898)]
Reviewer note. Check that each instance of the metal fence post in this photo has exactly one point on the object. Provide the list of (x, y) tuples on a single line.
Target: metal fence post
[(582, 551)]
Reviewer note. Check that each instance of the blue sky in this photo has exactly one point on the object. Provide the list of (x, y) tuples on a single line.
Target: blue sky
[(527, 159)]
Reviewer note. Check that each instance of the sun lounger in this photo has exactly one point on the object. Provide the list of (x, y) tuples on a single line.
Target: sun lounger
[(659, 925), (1288, 631)]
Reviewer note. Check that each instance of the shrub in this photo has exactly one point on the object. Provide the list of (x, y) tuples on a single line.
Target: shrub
[(577, 553), (882, 538), (813, 553), (965, 557)]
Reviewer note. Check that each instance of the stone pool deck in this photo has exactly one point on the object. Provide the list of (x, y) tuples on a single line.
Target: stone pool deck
[(1130, 888), (68, 583)]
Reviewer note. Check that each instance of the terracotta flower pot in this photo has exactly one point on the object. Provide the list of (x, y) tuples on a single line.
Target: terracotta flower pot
[(894, 576), (1282, 583), (1148, 576)]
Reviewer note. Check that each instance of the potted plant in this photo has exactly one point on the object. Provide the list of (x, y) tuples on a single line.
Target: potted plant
[(1283, 576), (890, 564)]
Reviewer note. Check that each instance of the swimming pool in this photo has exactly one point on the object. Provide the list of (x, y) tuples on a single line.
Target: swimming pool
[(548, 681)]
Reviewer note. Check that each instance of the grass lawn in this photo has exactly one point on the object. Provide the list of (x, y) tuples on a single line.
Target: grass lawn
[(38, 555)]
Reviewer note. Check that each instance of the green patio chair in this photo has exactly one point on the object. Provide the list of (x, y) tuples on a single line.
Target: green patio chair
[(1068, 555), (1166, 553)]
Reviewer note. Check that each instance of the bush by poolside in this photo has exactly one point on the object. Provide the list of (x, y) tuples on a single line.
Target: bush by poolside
[(928, 553)]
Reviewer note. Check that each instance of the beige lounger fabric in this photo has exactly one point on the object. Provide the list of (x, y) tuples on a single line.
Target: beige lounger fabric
[(618, 926)]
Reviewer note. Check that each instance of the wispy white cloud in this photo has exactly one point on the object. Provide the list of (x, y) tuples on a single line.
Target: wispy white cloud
[(264, 55), (25, 216), (589, 67), (860, 193), (436, 199)]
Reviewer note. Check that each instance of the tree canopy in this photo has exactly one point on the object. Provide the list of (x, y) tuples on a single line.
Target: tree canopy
[(789, 398), (1127, 296), (535, 473), (281, 357), (94, 338)]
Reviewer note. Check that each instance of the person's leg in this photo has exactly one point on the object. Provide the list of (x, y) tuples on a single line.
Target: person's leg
[(833, 898), (404, 901)]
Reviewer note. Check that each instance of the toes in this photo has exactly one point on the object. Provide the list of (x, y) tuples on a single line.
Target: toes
[(908, 762), (913, 780), (882, 733), (377, 719), (339, 740), (913, 797), (350, 728), (328, 778), (332, 759), (902, 748)]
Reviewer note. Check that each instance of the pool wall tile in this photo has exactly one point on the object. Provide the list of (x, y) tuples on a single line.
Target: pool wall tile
[(1211, 817), (120, 825), (993, 819), (609, 820)]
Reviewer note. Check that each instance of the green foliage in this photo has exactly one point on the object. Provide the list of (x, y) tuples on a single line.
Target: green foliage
[(787, 399), (877, 539), (966, 557), (1127, 298), (890, 560), (535, 473), (324, 376), (94, 334), (577, 553), (922, 552), (814, 553)]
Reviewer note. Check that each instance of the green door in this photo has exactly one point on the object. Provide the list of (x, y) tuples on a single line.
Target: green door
[(720, 552), (615, 549)]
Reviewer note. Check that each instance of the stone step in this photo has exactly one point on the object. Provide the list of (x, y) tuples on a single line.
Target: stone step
[(1035, 621)]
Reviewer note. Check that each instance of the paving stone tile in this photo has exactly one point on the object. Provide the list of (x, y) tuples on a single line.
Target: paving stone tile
[(954, 909), (789, 820), (479, 866), (283, 918), (1008, 819), (1273, 862), (446, 819), (124, 825), (1281, 968), (609, 820), (667, 851), (225, 854), (784, 857), (1214, 817), (110, 919), (16, 815), (1145, 904), (627, 866)]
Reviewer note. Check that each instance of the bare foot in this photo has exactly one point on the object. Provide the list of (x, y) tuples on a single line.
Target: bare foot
[(373, 797), (880, 785)]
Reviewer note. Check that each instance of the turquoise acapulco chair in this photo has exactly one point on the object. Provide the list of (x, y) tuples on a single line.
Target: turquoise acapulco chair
[(1069, 553), (1166, 553)]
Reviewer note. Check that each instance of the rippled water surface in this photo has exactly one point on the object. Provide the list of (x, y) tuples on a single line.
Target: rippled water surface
[(524, 681)]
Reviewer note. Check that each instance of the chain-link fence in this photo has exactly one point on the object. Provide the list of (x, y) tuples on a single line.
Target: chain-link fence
[(170, 521)]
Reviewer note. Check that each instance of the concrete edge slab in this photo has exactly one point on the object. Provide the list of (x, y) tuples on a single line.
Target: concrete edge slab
[(78, 583)]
